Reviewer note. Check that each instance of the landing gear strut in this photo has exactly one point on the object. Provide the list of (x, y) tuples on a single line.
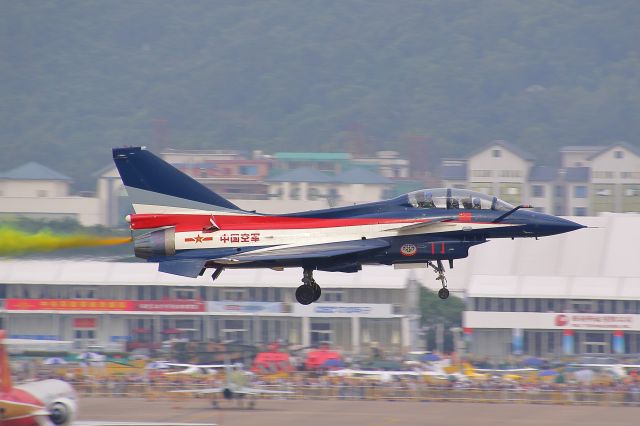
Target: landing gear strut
[(443, 293), (309, 291)]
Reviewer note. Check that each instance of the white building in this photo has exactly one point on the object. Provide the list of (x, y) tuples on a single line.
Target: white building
[(109, 304), (566, 294), (590, 179), (35, 191)]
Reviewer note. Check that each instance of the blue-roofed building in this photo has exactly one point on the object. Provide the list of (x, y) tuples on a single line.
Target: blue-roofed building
[(33, 180), (36, 191)]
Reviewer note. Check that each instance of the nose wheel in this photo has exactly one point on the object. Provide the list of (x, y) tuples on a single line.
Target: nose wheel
[(309, 291), (438, 268)]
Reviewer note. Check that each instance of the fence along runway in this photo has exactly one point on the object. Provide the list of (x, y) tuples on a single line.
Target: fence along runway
[(355, 413)]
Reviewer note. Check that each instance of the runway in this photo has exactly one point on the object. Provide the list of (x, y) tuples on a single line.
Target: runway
[(355, 413)]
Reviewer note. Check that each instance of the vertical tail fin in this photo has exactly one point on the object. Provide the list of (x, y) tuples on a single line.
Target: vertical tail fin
[(155, 186), (5, 369)]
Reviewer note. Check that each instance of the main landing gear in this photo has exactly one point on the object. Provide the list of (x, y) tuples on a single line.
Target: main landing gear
[(438, 268), (309, 291)]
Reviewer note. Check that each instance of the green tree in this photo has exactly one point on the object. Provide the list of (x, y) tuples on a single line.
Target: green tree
[(435, 311)]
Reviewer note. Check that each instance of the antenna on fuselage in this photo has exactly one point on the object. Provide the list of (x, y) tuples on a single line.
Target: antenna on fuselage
[(510, 212)]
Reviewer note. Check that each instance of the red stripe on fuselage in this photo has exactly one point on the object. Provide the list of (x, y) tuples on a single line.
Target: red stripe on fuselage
[(184, 222)]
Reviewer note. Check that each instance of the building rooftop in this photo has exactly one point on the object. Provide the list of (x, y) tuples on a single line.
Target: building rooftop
[(312, 156), (582, 148), (69, 272), (509, 147), (360, 175), (33, 171), (625, 145), (302, 174)]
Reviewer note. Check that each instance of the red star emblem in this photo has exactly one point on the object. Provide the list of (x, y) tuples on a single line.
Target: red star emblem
[(198, 239)]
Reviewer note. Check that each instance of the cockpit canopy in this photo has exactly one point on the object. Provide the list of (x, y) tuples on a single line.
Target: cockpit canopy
[(451, 198)]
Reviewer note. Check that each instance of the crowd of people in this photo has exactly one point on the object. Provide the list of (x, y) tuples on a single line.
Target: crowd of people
[(310, 385)]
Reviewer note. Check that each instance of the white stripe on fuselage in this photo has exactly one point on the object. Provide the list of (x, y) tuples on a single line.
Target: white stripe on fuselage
[(280, 238)]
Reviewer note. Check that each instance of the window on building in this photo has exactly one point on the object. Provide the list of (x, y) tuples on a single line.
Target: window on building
[(583, 306), (618, 154), (184, 293), (294, 193), (234, 295), (41, 193), (249, 170), (551, 342), (332, 296), (538, 304), (603, 174), (83, 293), (482, 173), (496, 153), (579, 211), (185, 324), (320, 332), (558, 191), (538, 191), (614, 307), (580, 191), (313, 193)]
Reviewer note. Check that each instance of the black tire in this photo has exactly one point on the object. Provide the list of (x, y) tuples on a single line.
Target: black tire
[(305, 294), (443, 293)]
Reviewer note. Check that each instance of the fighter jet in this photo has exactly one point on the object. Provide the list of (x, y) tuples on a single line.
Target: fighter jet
[(197, 229), (235, 387)]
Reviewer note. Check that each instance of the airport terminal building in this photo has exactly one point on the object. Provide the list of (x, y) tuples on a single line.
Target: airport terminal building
[(572, 294), (132, 305)]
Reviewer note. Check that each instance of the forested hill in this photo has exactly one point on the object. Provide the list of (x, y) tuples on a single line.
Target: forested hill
[(78, 77)]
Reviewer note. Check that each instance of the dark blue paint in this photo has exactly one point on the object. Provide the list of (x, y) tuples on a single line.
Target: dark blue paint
[(141, 169)]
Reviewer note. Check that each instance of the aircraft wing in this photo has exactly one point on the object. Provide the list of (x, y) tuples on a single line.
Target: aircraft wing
[(243, 391), (206, 391), (258, 391), (312, 251), (430, 225)]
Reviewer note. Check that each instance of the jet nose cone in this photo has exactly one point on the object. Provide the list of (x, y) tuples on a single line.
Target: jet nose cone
[(564, 225)]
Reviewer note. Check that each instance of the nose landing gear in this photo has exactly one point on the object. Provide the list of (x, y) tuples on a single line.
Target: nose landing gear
[(309, 291), (443, 293)]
